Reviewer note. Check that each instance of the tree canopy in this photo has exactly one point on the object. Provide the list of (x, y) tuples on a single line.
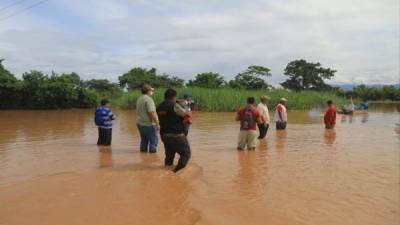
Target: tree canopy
[(207, 80), (9, 87), (305, 75), (252, 78), (138, 76)]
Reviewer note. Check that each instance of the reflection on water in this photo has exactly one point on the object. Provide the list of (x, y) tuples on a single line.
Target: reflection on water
[(330, 136), (281, 136), (303, 175), (105, 157)]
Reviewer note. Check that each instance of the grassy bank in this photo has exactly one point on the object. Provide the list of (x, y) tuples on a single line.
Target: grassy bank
[(232, 99)]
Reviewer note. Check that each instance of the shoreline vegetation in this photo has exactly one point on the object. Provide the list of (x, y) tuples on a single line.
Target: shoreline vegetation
[(229, 100), (304, 88)]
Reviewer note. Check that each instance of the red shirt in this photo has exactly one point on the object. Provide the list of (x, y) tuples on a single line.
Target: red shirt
[(330, 116), (255, 115), (189, 118)]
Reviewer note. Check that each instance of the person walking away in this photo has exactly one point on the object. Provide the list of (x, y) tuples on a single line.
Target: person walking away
[(330, 115), (103, 119), (281, 114), (147, 120), (248, 116), (172, 131), (263, 108)]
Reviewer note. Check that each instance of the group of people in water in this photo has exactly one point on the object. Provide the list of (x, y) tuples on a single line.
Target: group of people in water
[(172, 119)]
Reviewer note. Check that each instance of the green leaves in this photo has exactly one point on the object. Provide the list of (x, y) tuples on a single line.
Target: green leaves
[(207, 80), (138, 76), (252, 78), (304, 75)]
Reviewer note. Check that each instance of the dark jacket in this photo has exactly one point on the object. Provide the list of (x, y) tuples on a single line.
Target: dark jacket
[(170, 122)]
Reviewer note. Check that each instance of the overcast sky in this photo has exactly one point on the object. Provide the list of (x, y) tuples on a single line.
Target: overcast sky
[(104, 38)]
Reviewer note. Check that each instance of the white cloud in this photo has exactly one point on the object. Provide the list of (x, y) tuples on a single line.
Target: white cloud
[(357, 38)]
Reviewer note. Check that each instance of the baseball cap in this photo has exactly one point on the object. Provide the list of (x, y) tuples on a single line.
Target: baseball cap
[(146, 88), (187, 95), (265, 97)]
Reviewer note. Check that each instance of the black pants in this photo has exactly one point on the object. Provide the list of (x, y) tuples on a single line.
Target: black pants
[(176, 144), (263, 128), (186, 127), (105, 135), (280, 125)]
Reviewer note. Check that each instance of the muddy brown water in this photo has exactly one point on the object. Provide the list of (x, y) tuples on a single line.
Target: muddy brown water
[(51, 172)]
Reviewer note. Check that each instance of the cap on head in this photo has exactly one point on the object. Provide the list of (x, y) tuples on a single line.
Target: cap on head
[(146, 88), (265, 98), (187, 95), (105, 101), (283, 99)]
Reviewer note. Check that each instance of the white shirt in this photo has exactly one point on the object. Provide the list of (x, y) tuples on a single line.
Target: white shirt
[(283, 113), (264, 112)]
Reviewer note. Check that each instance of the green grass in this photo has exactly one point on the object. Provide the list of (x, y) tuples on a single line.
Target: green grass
[(226, 99)]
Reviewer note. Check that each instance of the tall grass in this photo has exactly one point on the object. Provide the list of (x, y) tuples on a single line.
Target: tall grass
[(227, 99)]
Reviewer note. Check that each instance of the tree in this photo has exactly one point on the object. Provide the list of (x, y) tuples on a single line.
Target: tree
[(207, 80), (252, 78), (138, 76), (305, 75), (391, 92), (168, 81), (102, 85), (9, 88)]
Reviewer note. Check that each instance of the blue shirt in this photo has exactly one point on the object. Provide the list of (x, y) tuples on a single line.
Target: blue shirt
[(107, 115)]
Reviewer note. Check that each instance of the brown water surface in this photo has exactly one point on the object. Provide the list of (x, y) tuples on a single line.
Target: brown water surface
[(51, 172)]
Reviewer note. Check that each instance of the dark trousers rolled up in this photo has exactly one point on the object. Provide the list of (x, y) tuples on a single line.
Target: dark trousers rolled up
[(186, 127), (105, 136), (280, 125), (329, 126), (263, 128), (176, 143)]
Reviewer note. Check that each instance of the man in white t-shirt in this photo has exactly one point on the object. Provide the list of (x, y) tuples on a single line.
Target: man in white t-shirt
[(263, 108), (281, 114)]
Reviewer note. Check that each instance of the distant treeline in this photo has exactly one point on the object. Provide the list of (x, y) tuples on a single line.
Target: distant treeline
[(42, 91), (387, 92)]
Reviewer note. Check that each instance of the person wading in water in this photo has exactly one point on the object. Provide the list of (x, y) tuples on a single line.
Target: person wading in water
[(103, 119), (146, 120), (330, 115), (281, 114), (263, 108), (248, 116), (172, 131)]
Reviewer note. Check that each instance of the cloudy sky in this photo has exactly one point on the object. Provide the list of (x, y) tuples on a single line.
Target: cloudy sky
[(104, 38)]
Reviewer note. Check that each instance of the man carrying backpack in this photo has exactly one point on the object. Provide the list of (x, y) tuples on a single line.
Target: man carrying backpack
[(248, 116), (103, 119)]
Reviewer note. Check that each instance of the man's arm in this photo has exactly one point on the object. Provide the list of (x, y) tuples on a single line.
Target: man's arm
[(154, 118), (151, 111), (262, 119), (259, 117), (237, 118)]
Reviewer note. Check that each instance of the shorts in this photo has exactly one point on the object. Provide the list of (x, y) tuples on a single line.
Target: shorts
[(247, 137)]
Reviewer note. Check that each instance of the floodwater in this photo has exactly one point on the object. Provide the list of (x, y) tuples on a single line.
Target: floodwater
[(51, 172)]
